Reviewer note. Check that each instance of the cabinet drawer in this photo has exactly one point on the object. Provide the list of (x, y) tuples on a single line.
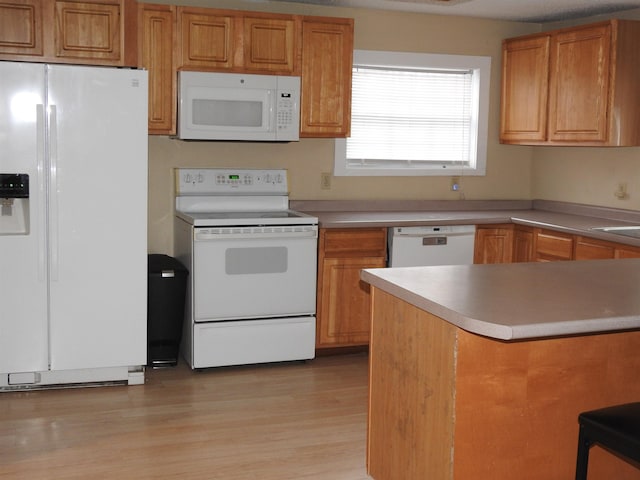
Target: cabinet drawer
[(359, 242), (551, 246)]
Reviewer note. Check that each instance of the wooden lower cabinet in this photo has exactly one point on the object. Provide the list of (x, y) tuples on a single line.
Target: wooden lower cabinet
[(550, 246), (593, 249), (522, 244), (494, 244), (505, 243), (343, 310)]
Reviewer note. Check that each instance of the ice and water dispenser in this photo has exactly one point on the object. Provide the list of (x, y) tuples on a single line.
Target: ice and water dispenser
[(14, 204)]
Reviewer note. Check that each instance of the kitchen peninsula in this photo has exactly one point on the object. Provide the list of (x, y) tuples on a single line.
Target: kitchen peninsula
[(480, 371)]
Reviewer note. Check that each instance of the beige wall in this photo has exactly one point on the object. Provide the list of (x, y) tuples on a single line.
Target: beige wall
[(587, 175), (508, 168), (581, 175)]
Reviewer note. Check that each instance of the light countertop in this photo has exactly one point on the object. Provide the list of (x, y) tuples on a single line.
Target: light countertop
[(522, 300), (569, 218)]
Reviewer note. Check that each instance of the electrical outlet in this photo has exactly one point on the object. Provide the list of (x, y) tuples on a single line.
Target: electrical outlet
[(325, 181), (455, 184), (621, 191)]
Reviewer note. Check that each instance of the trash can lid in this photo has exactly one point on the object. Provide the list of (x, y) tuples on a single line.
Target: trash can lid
[(158, 262)]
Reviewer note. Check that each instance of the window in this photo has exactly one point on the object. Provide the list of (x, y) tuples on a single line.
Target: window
[(416, 114)]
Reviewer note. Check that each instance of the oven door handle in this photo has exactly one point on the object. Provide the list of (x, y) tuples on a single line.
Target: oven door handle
[(207, 235)]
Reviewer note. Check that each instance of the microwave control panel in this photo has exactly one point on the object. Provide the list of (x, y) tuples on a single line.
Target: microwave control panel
[(287, 108)]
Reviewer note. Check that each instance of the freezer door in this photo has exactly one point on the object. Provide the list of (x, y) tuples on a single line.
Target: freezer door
[(98, 217), (23, 287)]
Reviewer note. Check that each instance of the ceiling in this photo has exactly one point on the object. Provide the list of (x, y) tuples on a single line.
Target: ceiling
[(536, 11)]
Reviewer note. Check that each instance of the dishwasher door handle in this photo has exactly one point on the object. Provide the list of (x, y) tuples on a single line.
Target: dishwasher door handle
[(428, 241)]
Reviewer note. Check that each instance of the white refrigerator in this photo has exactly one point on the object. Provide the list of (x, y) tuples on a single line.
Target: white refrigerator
[(73, 225)]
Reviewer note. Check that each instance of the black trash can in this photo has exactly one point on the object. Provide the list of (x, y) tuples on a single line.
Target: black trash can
[(165, 309)]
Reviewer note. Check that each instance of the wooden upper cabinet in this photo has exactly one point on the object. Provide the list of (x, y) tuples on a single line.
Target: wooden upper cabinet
[(525, 76), (157, 38), (207, 39), (271, 45), (93, 32), (226, 40), (327, 63), (591, 73), (579, 84), (22, 28)]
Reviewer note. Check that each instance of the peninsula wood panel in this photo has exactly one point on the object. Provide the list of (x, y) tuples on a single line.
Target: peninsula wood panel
[(435, 411), (519, 406), (411, 392)]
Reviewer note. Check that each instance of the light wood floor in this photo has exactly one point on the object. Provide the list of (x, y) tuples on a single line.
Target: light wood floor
[(285, 421)]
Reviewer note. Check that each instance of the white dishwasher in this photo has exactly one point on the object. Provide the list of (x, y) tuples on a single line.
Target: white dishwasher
[(431, 245)]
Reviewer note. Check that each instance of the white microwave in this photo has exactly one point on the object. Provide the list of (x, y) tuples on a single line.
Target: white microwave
[(232, 106)]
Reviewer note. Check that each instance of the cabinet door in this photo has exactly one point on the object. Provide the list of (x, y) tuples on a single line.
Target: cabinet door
[(343, 299), (208, 40), (85, 30), (626, 251), (157, 31), (327, 62), (21, 28), (579, 84), (494, 244), (590, 249), (344, 302), (525, 72), (522, 244), (270, 45), (550, 246)]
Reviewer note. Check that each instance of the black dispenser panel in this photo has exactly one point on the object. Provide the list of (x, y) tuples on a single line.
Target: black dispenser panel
[(14, 185)]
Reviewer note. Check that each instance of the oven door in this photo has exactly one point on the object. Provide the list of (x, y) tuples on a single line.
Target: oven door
[(254, 272)]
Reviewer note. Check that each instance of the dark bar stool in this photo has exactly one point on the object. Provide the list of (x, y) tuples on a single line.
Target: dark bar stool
[(616, 428)]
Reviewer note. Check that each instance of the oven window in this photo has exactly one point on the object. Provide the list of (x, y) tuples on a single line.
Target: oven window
[(243, 261)]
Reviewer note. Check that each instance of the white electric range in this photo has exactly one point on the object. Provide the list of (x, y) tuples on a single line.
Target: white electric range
[(252, 262)]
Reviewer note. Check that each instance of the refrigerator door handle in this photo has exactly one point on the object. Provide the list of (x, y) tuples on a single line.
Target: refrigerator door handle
[(41, 183), (53, 194)]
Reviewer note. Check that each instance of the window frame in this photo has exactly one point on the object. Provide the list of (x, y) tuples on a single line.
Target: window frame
[(481, 67)]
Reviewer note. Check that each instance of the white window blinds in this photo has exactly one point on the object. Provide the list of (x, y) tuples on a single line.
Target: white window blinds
[(409, 115), (416, 114)]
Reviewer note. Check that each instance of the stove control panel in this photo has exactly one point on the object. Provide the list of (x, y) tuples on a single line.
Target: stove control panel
[(223, 181)]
